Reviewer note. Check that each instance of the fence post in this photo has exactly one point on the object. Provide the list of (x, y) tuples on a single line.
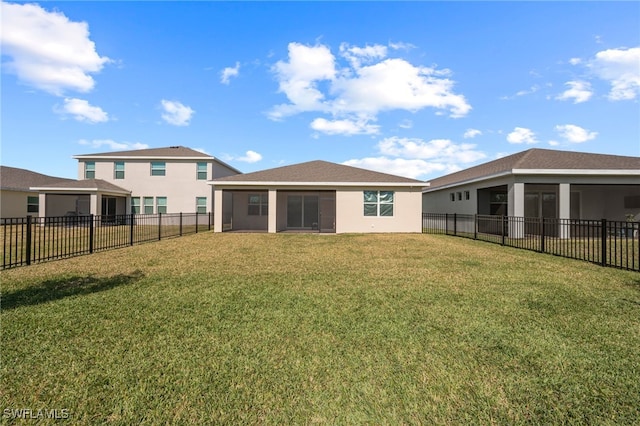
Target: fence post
[(131, 229), (159, 226), (210, 219), (28, 248), (196, 222), (91, 230), (446, 223), (502, 222), (542, 248), (181, 224), (475, 226), (603, 242), (455, 224)]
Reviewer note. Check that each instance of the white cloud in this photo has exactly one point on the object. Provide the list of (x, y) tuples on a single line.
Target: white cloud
[(554, 143), (358, 55), (471, 133), (416, 158), (344, 127), (250, 157), (521, 135), (579, 91), (228, 72), (575, 61), (368, 83), (575, 134), (47, 50), (400, 167), (442, 150), (621, 68), (176, 113), (406, 124), (113, 145), (81, 110)]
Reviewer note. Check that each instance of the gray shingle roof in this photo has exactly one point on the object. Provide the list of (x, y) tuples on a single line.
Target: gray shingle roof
[(317, 171), (170, 151), (540, 159), (13, 178)]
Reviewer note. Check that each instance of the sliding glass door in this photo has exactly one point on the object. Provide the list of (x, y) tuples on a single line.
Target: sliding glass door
[(302, 212)]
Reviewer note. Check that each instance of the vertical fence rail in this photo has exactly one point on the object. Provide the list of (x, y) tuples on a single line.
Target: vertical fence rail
[(607, 243), (31, 239)]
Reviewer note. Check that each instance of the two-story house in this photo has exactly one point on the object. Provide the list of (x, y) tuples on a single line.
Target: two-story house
[(160, 180)]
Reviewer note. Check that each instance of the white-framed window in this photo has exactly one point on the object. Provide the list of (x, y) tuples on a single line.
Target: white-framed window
[(89, 169), (467, 195), (258, 205), (118, 170), (378, 203), (161, 205), (158, 168), (135, 205), (201, 171), (452, 196), (201, 204), (459, 194), (33, 204), (148, 205)]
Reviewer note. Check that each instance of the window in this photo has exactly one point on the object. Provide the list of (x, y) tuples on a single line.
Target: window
[(258, 205), (467, 195), (148, 205), (161, 205), (452, 196), (118, 170), (90, 170), (158, 168), (459, 196), (33, 203), (201, 204), (202, 171), (135, 205), (378, 203)]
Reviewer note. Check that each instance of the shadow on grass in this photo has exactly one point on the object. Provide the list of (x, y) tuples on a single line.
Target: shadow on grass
[(57, 289)]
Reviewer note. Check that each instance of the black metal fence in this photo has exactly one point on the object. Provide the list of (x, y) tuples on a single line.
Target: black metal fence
[(608, 243), (27, 240)]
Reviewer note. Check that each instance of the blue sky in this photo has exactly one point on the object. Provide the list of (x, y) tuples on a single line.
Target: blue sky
[(419, 89)]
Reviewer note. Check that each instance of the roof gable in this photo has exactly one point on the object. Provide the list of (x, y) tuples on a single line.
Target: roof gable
[(171, 151), (317, 172), (540, 159)]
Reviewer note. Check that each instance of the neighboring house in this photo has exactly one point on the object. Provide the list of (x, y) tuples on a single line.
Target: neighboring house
[(159, 180), (17, 199), (26, 193), (317, 196), (542, 183)]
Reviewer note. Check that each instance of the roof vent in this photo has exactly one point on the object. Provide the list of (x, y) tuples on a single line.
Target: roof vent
[(174, 147)]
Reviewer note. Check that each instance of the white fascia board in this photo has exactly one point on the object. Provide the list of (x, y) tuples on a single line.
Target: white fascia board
[(320, 184), (78, 190), (577, 172)]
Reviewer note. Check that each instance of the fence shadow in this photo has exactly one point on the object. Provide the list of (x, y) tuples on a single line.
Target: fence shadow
[(57, 289)]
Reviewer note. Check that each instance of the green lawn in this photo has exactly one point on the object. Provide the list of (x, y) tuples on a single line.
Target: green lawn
[(293, 328)]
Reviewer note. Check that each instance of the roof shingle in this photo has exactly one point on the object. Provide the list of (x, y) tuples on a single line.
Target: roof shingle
[(171, 151), (16, 179), (540, 159), (317, 172)]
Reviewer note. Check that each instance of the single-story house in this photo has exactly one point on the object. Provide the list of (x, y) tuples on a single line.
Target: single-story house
[(24, 192), (317, 196), (542, 183)]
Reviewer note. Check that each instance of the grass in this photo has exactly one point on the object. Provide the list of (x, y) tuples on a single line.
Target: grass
[(382, 329)]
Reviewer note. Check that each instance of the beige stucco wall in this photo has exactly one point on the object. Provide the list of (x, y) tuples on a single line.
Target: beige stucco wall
[(406, 212), (14, 203), (179, 185)]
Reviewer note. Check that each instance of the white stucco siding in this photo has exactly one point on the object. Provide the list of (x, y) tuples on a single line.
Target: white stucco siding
[(406, 212), (179, 184), (439, 201)]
